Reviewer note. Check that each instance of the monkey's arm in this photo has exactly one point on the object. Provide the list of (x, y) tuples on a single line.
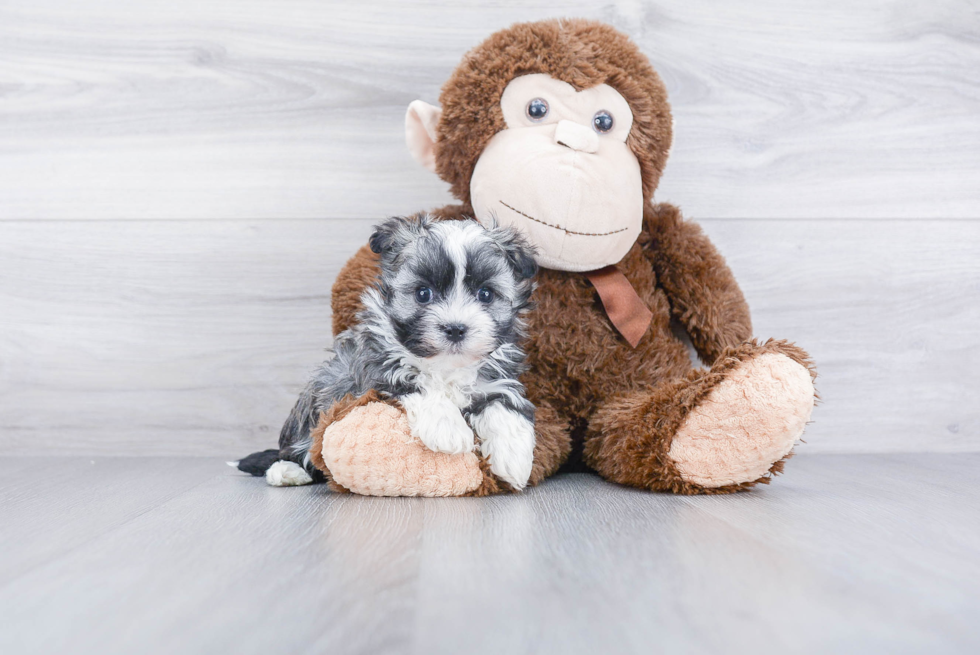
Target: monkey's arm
[(703, 293)]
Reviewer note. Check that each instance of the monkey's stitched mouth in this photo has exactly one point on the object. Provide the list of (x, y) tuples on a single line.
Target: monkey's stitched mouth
[(562, 229)]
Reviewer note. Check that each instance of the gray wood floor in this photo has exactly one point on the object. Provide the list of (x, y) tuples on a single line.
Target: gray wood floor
[(844, 553)]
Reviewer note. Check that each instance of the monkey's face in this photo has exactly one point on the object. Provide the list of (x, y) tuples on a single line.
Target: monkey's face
[(562, 173), (570, 169)]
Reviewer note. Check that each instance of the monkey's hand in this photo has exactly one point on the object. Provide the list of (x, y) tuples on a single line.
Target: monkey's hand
[(438, 423), (507, 440)]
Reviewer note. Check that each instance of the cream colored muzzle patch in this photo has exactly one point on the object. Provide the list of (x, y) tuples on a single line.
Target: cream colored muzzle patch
[(581, 210)]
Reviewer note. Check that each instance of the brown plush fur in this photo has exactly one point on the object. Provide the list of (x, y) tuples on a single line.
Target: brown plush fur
[(589, 385)]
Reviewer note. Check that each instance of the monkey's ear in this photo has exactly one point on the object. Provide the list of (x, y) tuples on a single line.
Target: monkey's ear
[(421, 120)]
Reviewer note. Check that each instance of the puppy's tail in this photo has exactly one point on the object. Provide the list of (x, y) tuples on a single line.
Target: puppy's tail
[(294, 441), (257, 463)]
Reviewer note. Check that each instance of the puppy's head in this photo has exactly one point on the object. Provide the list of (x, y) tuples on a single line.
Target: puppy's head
[(453, 288)]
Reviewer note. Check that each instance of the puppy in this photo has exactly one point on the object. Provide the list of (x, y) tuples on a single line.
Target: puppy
[(438, 333)]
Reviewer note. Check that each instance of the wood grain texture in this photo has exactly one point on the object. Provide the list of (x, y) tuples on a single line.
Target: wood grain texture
[(178, 338), (108, 493), (864, 553), (292, 109), (193, 338)]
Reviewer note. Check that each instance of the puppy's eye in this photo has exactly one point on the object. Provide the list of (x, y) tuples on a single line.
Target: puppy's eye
[(602, 121), (423, 295), (537, 109), (485, 295)]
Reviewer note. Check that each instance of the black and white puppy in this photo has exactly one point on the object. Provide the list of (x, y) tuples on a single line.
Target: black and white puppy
[(439, 333)]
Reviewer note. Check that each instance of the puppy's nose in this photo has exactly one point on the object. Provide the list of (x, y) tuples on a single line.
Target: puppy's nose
[(576, 136), (455, 332)]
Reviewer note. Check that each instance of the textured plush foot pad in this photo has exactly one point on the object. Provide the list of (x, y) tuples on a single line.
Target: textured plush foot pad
[(746, 424), (371, 452)]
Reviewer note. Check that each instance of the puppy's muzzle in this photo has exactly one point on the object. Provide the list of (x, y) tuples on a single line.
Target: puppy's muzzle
[(454, 333)]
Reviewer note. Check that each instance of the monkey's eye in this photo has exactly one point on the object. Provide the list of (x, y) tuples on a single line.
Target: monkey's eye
[(485, 295), (423, 295), (602, 121), (537, 109)]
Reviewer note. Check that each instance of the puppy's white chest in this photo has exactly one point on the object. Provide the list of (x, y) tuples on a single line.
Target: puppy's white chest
[(456, 385)]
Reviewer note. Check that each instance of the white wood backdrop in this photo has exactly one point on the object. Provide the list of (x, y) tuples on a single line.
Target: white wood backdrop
[(180, 182)]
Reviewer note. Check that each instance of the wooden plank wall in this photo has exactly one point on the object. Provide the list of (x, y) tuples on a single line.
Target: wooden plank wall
[(180, 182)]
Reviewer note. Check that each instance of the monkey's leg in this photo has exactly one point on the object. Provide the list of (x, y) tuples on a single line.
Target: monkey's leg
[(364, 445), (721, 430)]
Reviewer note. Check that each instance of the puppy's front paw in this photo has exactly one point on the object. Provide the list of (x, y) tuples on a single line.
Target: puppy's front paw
[(507, 439), (438, 423)]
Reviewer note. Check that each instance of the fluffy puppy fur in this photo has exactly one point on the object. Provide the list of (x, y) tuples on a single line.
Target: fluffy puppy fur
[(439, 333)]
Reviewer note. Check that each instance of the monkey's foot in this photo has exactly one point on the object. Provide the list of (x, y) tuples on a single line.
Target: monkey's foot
[(371, 451), (716, 431), (749, 420)]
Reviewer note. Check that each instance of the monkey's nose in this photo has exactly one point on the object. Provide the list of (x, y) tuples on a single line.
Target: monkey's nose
[(454, 333), (576, 136)]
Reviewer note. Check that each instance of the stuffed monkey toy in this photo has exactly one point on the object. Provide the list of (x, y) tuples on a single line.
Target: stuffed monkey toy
[(561, 129)]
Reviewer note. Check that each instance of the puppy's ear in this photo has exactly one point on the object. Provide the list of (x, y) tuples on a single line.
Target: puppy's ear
[(518, 252), (383, 237), (395, 233)]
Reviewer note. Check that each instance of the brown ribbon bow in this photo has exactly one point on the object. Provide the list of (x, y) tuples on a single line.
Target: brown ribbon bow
[(623, 306)]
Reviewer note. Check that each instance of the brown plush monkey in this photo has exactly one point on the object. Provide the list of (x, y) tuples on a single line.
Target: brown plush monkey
[(562, 128)]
